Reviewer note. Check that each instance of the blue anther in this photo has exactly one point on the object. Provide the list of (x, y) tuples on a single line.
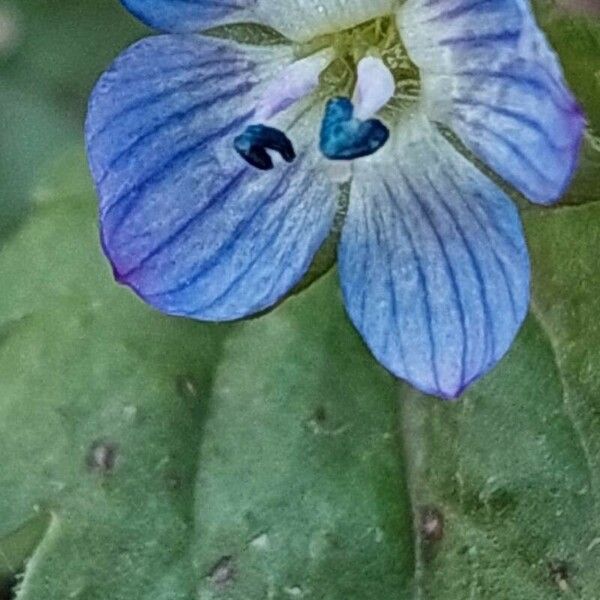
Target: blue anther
[(252, 146), (344, 138)]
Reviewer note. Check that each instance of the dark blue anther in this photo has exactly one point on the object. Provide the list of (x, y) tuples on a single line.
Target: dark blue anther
[(344, 138), (252, 146)]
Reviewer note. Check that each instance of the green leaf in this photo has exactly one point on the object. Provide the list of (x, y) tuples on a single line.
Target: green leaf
[(100, 413), (515, 467), (282, 479), (17, 546), (300, 490)]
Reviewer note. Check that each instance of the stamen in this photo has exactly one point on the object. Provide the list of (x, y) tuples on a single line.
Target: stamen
[(348, 131), (375, 87), (293, 83), (344, 137), (252, 146)]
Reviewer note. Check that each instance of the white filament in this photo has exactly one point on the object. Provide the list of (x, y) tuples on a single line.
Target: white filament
[(375, 87), (295, 82)]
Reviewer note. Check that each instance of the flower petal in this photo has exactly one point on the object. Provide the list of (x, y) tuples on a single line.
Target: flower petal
[(433, 263), (488, 73), (185, 221), (297, 20)]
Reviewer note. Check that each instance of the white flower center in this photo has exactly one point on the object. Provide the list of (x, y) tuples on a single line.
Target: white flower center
[(359, 73)]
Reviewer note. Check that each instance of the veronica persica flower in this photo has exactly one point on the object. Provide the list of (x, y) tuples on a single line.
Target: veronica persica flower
[(219, 165)]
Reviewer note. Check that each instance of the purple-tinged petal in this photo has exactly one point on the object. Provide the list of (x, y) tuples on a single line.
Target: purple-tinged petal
[(488, 73), (186, 223), (297, 20), (433, 262)]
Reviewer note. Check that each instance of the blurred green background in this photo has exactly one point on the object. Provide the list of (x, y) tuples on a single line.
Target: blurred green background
[(145, 457), (51, 53)]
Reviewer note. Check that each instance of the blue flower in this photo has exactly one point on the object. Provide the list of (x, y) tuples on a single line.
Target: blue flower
[(218, 166)]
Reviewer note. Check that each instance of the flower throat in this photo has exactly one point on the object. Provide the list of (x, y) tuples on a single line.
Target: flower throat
[(358, 73)]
